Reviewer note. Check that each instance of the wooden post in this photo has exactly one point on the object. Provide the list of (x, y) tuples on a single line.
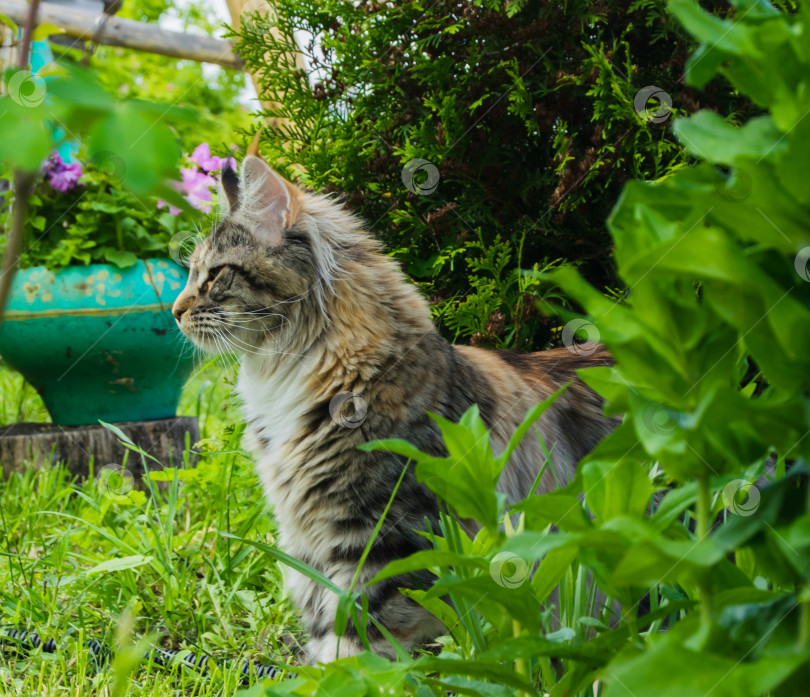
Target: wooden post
[(128, 33), (239, 7)]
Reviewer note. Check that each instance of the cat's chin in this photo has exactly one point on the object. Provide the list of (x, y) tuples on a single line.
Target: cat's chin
[(204, 342)]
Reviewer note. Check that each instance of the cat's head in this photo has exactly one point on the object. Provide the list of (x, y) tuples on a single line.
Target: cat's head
[(268, 267)]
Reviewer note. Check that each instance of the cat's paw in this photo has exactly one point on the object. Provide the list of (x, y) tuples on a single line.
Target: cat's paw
[(331, 647)]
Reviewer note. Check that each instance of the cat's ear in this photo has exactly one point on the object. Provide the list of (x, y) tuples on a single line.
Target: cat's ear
[(229, 188), (267, 199)]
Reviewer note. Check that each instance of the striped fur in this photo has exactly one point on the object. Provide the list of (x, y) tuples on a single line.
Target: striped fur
[(316, 310)]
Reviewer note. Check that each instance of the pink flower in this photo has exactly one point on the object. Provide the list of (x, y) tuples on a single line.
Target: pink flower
[(172, 209), (196, 186), (203, 158), (198, 181)]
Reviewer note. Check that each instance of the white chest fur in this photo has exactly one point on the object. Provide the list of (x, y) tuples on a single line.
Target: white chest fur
[(275, 403)]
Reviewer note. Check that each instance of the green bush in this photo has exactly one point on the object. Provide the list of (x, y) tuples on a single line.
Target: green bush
[(517, 120), (677, 511)]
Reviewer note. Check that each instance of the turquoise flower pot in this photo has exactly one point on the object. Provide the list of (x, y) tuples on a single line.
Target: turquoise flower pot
[(99, 342)]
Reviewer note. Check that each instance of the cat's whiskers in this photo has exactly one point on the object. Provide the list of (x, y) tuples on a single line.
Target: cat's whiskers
[(239, 345), (238, 325), (268, 352), (223, 345), (237, 316)]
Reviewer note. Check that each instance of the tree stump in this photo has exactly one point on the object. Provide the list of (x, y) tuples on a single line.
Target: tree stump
[(163, 439)]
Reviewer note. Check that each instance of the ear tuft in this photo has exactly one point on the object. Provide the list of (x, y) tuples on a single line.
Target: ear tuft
[(229, 185), (265, 200)]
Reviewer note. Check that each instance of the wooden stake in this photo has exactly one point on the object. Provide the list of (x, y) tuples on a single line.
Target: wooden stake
[(128, 33)]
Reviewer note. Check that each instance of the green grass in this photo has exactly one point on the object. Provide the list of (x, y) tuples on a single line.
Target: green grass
[(18, 400), (188, 586)]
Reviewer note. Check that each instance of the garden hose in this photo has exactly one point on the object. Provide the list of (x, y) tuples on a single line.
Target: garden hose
[(25, 641)]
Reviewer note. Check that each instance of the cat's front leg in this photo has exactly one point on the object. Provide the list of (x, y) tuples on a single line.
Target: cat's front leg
[(409, 623), (330, 647)]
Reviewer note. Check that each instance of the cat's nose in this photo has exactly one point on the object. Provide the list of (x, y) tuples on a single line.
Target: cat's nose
[(179, 308)]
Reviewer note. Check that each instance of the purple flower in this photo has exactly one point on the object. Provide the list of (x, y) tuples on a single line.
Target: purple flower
[(62, 176)]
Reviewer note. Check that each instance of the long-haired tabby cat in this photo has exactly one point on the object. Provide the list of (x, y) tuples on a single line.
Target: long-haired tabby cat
[(291, 281)]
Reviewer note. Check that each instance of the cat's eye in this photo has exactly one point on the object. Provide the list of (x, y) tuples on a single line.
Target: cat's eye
[(213, 272)]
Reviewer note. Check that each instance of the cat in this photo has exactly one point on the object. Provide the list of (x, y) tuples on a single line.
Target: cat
[(337, 349)]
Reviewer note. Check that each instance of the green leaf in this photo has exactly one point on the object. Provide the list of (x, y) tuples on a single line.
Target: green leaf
[(709, 136), (26, 141), (675, 503), (121, 259), (120, 563), (428, 559), (660, 671), (492, 670), (551, 571), (465, 479), (725, 36), (615, 490), (117, 431), (562, 510), (292, 562)]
